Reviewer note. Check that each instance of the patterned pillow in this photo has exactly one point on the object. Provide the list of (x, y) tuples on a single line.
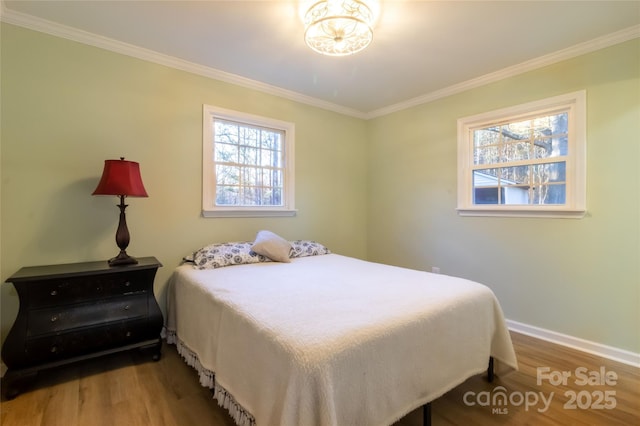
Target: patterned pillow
[(302, 248), (226, 254)]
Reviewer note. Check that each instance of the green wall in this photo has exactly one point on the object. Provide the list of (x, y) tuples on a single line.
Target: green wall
[(67, 107), (579, 277), (384, 189)]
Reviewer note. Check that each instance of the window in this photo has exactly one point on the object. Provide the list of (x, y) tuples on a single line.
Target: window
[(527, 160), (247, 166)]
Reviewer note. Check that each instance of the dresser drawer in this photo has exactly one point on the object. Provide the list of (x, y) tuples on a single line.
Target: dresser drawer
[(75, 289), (63, 318), (85, 341)]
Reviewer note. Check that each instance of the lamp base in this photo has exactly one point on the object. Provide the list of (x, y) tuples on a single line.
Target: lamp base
[(122, 259)]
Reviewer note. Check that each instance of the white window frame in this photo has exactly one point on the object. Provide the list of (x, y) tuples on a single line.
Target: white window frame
[(209, 207), (575, 203)]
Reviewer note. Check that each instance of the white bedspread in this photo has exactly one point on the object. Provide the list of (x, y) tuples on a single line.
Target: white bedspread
[(332, 340)]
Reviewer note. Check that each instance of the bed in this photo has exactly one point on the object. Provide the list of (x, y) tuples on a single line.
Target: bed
[(326, 339)]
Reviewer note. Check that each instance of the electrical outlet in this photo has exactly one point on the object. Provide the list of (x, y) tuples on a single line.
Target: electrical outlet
[(435, 269)]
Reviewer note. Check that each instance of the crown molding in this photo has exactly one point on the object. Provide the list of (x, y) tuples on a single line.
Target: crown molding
[(559, 56), (74, 34), (10, 16)]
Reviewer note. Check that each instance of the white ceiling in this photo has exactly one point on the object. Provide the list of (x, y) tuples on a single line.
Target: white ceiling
[(420, 48)]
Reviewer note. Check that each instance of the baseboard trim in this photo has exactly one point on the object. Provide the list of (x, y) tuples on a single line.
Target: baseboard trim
[(609, 352)]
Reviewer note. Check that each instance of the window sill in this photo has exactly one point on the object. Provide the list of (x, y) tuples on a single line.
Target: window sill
[(233, 212), (522, 212)]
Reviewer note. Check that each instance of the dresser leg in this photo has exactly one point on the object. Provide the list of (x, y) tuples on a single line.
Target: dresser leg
[(13, 383), (157, 352), (9, 389), (154, 349)]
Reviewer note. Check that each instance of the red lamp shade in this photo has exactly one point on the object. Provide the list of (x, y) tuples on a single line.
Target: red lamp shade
[(121, 177)]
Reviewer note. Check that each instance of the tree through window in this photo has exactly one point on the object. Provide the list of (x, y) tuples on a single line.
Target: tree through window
[(524, 159), (247, 163)]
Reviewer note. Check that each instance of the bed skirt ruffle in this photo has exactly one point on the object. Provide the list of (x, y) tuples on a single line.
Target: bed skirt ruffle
[(207, 379)]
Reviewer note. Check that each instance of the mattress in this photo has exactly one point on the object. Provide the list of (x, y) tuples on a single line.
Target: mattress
[(332, 340)]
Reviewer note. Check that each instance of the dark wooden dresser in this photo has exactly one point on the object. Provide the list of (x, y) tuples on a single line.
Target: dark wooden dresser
[(72, 312)]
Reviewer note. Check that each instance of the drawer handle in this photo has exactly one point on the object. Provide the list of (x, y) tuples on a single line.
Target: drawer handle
[(126, 308), (54, 318), (128, 334), (54, 292), (53, 349), (127, 284)]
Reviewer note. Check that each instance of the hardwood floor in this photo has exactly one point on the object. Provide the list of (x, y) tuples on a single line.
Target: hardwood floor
[(128, 389)]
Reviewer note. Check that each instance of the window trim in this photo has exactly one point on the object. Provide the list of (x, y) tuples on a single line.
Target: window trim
[(575, 206), (209, 208)]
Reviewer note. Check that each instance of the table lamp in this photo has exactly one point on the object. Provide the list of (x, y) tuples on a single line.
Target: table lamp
[(121, 178)]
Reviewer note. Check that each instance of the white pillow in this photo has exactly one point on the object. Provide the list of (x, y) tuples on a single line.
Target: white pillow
[(272, 246)]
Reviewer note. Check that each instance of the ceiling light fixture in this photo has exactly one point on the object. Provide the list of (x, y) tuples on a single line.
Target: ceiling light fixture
[(339, 27)]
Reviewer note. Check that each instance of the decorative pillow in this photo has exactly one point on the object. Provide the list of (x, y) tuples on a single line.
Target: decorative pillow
[(272, 246), (302, 248), (226, 254)]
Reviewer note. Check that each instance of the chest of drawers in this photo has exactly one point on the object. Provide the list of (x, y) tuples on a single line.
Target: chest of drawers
[(73, 312)]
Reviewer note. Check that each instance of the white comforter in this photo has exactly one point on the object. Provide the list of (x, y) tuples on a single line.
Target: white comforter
[(332, 340)]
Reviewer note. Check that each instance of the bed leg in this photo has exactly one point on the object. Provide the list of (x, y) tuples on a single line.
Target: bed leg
[(426, 414), (490, 373)]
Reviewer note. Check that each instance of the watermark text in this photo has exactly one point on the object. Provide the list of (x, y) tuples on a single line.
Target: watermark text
[(500, 399)]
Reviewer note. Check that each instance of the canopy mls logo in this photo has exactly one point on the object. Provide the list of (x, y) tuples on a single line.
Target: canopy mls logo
[(500, 399)]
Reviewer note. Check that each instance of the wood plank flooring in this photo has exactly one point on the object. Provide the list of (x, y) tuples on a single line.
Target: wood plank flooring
[(128, 389)]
